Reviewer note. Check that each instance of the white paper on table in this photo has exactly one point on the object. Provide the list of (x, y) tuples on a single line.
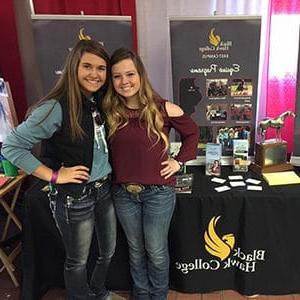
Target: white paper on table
[(254, 187), (237, 183), (253, 181), (235, 177), (222, 188), (218, 180)]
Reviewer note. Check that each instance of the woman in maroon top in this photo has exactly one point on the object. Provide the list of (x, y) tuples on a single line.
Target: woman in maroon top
[(139, 123)]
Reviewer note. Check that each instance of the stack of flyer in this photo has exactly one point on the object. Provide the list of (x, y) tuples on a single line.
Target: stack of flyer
[(240, 155), (213, 159)]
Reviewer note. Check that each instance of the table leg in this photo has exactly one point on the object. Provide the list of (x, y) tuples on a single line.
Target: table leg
[(11, 215), (7, 265)]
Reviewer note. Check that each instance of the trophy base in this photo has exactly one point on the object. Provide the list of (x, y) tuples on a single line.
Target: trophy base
[(269, 169), (271, 156)]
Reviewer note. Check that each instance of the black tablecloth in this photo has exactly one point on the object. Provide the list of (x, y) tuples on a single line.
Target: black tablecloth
[(252, 245), (265, 256)]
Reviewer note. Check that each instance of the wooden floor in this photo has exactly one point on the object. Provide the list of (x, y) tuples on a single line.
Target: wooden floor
[(222, 295)]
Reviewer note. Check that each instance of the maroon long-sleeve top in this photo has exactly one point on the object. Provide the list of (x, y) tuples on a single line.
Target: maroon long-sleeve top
[(136, 159)]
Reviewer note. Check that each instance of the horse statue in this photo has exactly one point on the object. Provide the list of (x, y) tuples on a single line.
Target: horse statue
[(276, 123)]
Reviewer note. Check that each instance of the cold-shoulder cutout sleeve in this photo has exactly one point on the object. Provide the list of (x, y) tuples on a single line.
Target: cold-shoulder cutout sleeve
[(173, 110)]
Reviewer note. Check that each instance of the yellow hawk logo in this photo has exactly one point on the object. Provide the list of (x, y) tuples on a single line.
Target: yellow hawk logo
[(82, 36), (216, 246), (214, 39)]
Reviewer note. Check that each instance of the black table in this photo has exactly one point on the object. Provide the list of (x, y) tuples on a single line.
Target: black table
[(252, 245)]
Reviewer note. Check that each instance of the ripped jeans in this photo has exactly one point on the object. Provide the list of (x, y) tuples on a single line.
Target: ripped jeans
[(76, 219)]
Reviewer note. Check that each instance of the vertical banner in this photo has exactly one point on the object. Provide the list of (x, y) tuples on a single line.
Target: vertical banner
[(215, 74), (55, 35), (295, 158)]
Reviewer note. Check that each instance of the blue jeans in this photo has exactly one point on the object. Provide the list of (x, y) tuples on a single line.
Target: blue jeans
[(76, 220), (145, 218)]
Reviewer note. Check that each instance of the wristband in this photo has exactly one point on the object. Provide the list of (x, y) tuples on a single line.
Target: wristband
[(54, 177)]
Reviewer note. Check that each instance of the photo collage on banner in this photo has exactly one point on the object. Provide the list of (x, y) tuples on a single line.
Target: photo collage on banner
[(215, 75), (55, 35)]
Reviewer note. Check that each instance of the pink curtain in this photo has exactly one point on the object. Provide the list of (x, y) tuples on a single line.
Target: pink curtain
[(282, 70)]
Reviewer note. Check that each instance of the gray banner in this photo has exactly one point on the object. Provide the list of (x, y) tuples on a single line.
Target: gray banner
[(215, 74), (54, 36)]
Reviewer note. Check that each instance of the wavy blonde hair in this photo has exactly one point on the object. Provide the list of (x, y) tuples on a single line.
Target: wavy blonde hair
[(114, 105)]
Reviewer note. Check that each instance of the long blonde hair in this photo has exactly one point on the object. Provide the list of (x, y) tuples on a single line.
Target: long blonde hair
[(114, 104), (68, 85)]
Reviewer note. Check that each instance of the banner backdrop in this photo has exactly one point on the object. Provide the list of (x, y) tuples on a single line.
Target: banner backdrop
[(55, 35), (215, 73)]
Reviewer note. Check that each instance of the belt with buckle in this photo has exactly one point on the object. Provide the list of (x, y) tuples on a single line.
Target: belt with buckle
[(99, 182), (133, 188)]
